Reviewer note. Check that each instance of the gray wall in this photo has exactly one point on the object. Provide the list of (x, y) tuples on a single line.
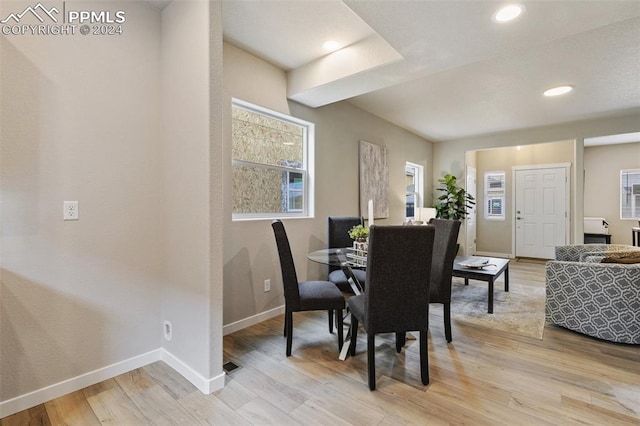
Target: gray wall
[(602, 165), (192, 163), (129, 126), (80, 121), (250, 252)]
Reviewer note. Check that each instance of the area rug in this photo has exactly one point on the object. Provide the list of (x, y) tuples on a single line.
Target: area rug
[(519, 311)]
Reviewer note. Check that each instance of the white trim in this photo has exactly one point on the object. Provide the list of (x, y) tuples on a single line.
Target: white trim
[(203, 384), (255, 319), (491, 254), (543, 166), (56, 390), (308, 169)]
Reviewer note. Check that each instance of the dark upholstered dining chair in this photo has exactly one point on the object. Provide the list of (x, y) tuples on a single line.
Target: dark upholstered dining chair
[(396, 299), (305, 295), (338, 237), (445, 248)]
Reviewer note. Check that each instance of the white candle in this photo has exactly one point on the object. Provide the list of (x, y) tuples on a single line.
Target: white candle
[(370, 212)]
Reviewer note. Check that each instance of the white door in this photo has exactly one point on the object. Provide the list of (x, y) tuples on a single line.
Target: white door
[(540, 211), (470, 224)]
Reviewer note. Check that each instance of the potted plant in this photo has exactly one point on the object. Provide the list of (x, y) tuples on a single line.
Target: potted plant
[(454, 201), (359, 233)]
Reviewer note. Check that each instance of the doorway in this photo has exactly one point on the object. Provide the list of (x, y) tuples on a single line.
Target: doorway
[(541, 217)]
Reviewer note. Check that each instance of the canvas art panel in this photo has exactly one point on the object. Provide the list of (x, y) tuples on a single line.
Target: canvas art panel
[(374, 180)]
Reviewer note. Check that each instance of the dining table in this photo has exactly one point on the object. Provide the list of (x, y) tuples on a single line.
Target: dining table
[(342, 258)]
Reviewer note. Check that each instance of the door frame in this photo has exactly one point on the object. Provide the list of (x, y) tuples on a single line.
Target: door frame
[(474, 212), (567, 200)]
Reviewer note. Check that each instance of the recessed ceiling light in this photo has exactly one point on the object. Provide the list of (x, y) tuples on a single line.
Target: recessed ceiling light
[(508, 13), (557, 91), (330, 45)]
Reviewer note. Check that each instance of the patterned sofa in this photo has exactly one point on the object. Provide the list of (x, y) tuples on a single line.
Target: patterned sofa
[(594, 298)]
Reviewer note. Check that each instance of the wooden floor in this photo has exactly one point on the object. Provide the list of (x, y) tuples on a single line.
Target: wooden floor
[(482, 377)]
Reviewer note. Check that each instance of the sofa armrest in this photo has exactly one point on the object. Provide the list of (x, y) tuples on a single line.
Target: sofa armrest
[(597, 299)]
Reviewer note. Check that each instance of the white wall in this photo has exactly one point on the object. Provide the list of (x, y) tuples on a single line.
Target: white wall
[(79, 121), (602, 165)]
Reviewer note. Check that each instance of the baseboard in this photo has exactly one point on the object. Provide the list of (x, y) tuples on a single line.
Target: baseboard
[(204, 385), (40, 396), (491, 254), (255, 319)]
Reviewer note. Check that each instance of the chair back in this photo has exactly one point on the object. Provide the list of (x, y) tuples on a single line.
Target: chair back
[(398, 265), (288, 268), (445, 247), (338, 232)]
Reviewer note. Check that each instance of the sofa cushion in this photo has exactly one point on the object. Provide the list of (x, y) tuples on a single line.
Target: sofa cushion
[(622, 257)]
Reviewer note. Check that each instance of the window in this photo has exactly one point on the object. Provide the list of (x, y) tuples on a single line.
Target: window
[(272, 163), (630, 194), (494, 195), (413, 181)]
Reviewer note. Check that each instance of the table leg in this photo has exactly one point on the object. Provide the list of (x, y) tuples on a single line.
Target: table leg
[(491, 295), (506, 278)]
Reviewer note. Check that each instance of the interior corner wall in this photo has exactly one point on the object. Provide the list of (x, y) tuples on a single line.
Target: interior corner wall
[(602, 165), (186, 105), (250, 251), (217, 166), (79, 120)]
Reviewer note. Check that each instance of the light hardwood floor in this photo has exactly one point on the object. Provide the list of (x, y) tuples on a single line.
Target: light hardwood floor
[(482, 377)]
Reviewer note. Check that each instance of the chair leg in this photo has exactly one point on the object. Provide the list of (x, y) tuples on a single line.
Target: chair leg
[(401, 340), (340, 329), (354, 335), (330, 321), (447, 321), (424, 358), (289, 329), (371, 360)]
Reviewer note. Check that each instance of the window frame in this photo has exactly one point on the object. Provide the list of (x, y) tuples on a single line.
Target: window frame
[(634, 199), (307, 170), (493, 194), (418, 189)]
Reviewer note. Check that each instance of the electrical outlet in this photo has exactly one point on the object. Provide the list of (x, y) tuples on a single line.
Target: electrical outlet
[(70, 210), (167, 330), (267, 285)]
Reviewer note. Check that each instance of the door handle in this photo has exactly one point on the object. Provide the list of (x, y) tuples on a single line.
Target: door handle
[(519, 218)]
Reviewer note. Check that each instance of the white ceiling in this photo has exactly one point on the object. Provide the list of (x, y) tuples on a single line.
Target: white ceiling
[(444, 69)]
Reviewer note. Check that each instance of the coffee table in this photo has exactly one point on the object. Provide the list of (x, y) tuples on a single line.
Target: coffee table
[(491, 270)]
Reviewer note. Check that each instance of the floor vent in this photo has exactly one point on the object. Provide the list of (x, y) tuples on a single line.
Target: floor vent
[(229, 367)]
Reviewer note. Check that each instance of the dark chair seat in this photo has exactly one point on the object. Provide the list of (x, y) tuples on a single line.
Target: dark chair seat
[(340, 279), (319, 295)]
